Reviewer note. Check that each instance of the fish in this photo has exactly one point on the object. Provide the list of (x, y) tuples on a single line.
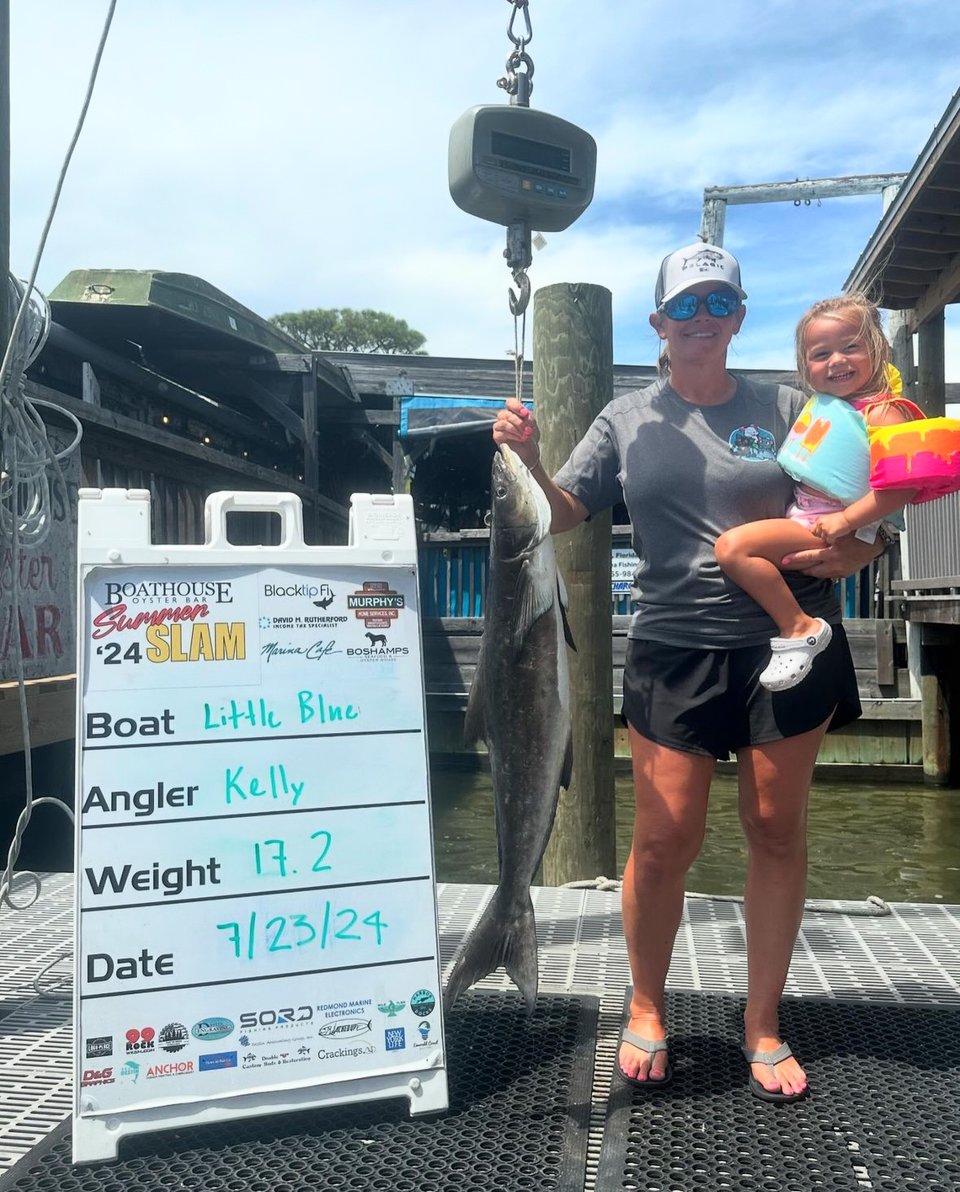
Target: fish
[(519, 705)]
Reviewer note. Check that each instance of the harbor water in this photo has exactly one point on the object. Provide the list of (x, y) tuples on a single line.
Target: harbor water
[(900, 843)]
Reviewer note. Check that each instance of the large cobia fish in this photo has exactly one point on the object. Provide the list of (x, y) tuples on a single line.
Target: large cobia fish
[(520, 705)]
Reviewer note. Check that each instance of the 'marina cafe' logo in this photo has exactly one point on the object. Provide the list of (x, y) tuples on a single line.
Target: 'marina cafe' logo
[(376, 604)]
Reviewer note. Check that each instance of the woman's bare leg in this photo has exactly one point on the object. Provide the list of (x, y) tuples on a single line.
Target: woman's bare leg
[(750, 555), (670, 789), (774, 788)]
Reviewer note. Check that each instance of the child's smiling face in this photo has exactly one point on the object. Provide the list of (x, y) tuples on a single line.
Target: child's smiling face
[(837, 358)]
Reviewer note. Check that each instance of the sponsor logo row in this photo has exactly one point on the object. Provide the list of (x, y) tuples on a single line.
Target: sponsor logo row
[(132, 1070), (174, 1036), (342, 1047), (371, 595), (342, 1021)]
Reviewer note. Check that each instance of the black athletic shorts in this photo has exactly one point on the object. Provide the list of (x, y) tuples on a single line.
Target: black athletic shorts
[(710, 701)]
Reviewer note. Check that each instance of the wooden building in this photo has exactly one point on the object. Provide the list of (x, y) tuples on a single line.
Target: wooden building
[(181, 391), (912, 265)]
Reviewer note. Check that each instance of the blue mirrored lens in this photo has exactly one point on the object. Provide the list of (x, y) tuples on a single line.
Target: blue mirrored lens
[(719, 303)]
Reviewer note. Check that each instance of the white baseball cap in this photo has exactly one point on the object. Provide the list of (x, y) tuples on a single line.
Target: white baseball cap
[(687, 267)]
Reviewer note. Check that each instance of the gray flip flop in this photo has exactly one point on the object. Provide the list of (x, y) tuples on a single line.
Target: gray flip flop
[(651, 1046), (770, 1058)]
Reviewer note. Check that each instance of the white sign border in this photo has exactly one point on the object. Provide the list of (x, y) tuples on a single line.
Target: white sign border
[(113, 529)]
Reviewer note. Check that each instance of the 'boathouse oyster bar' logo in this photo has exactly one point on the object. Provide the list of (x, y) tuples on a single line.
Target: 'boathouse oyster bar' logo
[(149, 593), (170, 618)]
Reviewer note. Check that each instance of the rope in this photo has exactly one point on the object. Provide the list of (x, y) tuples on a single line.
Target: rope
[(870, 907), (26, 461)]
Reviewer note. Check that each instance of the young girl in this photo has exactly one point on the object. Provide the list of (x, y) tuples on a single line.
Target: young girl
[(843, 356)]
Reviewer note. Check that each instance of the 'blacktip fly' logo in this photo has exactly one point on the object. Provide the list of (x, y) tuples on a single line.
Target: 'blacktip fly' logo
[(325, 597), (376, 604)]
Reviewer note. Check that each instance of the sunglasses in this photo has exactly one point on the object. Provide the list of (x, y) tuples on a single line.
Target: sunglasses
[(719, 303)]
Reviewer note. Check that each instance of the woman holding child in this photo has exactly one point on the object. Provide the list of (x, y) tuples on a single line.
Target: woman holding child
[(693, 456)]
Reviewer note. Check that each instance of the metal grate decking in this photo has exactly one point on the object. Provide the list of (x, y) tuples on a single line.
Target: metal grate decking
[(883, 1112), (515, 1121), (910, 957)]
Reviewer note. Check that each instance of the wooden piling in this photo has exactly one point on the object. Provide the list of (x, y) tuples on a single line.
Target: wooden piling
[(572, 382)]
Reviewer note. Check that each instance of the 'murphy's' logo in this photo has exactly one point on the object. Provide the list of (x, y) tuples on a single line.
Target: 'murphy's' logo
[(376, 604)]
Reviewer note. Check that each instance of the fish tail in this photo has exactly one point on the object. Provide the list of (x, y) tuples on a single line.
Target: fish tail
[(504, 936)]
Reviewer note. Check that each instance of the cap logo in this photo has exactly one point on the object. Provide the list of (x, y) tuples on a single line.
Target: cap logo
[(706, 259)]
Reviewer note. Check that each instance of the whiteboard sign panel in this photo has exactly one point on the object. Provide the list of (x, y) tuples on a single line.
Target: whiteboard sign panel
[(255, 885)]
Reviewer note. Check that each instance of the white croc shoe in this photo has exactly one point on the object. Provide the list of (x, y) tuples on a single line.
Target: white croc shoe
[(793, 657)]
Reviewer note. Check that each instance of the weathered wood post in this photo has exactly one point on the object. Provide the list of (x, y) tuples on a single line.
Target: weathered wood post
[(935, 679), (931, 366), (572, 382)]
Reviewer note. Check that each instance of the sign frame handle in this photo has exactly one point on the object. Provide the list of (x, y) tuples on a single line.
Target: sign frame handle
[(287, 505)]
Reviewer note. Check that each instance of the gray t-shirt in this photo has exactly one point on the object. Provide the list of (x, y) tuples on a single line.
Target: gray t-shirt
[(687, 473)]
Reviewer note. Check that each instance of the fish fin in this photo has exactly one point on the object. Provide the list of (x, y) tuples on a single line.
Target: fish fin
[(562, 590), (520, 956), (531, 601), (474, 720), (567, 631), (566, 774), (564, 605), (501, 937)]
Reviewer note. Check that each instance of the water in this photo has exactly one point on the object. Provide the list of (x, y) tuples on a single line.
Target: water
[(901, 843)]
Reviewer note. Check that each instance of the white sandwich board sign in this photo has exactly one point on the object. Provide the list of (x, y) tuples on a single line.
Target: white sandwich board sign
[(256, 925)]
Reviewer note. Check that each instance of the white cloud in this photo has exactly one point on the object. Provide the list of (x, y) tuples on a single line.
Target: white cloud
[(294, 154)]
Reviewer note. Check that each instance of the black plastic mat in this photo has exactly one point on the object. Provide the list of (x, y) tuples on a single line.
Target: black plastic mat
[(519, 1107), (882, 1114)]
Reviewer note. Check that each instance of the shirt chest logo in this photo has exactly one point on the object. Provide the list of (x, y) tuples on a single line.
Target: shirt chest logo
[(753, 443)]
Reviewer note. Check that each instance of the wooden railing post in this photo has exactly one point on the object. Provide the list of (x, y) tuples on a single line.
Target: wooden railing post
[(572, 382)]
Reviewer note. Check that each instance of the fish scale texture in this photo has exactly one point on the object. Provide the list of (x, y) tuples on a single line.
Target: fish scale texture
[(517, 1088), (883, 1112)]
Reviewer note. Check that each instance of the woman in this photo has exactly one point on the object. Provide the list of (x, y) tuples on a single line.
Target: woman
[(691, 456)]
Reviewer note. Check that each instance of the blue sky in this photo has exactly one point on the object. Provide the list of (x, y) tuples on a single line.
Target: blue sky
[(294, 152)]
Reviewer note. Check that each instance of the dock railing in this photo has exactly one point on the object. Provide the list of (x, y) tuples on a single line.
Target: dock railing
[(932, 561), (453, 575)]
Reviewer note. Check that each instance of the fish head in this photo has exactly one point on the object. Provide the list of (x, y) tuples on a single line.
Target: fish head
[(520, 510)]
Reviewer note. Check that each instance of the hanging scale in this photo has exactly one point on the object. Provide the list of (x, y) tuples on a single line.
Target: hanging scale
[(521, 168)]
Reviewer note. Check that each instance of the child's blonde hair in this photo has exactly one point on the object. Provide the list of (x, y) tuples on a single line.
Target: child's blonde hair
[(857, 309)]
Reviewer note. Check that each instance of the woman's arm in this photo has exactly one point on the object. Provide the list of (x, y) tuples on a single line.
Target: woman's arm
[(845, 557), (516, 426)]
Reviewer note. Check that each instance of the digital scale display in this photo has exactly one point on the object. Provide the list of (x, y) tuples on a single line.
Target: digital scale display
[(524, 152), (509, 163)]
